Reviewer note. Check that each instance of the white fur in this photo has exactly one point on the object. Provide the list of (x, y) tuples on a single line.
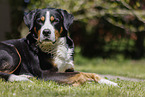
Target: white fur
[(13, 78), (62, 56), (105, 81), (47, 25)]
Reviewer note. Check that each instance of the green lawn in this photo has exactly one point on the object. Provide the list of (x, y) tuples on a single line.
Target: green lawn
[(117, 66), (51, 89)]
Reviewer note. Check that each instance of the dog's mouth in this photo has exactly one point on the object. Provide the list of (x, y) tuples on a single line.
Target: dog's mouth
[(48, 40)]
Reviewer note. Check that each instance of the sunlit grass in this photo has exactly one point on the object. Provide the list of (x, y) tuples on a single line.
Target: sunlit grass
[(128, 68), (51, 89)]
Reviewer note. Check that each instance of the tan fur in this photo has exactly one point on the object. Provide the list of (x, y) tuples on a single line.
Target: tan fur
[(57, 34), (61, 30), (35, 30), (38, 35), (51, 18), (42, 18), (81, 78)]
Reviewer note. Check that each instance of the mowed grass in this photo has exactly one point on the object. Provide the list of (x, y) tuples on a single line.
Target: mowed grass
[(117, 66), (40, 88)]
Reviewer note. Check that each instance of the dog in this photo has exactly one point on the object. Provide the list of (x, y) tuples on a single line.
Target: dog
[(46, 52)]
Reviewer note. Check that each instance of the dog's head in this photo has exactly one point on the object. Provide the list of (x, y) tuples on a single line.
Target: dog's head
[(48, 24)]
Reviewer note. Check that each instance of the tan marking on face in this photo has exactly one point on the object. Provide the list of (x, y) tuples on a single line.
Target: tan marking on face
[(38, 35), (57, 34), (42, 18), (51, 18), (35, 30), (61, 30)]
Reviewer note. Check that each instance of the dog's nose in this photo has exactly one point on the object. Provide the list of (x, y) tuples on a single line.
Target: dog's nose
[(46, 32)]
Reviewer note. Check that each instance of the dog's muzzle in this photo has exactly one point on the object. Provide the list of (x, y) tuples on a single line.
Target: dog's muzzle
[(47, 33)]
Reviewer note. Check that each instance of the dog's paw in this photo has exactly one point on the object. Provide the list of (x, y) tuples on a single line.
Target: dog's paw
[(13, 78), (107, 82)]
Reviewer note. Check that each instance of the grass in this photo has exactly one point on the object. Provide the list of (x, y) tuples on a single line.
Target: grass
[(51, 89), (118, 66)]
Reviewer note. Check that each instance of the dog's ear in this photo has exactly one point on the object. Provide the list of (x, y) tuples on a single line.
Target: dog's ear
[(29, 19), (67, 18)]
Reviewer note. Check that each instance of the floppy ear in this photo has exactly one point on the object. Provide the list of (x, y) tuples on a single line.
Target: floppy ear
[(29, 19), (67, 18)]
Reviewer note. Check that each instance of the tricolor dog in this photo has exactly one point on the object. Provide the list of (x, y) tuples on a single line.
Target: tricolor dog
[(46, 52)]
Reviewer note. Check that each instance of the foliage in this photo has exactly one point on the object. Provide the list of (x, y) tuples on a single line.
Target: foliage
[(16, 18), (117, 12), (101, 23)]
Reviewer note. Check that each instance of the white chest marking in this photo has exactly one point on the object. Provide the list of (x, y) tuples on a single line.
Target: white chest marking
[(63, 55)]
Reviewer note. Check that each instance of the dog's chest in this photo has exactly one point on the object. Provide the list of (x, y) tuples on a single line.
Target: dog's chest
[(62, 55)]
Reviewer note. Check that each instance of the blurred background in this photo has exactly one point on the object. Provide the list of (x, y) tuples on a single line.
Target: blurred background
[(102, 28)]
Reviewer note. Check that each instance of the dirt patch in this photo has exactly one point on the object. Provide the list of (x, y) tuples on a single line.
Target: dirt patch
[(121, 78)]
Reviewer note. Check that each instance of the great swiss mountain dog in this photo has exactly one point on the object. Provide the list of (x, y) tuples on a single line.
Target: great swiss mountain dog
[(46, 52)]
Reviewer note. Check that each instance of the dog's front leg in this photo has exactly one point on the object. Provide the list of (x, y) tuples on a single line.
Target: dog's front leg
[(76, 78)]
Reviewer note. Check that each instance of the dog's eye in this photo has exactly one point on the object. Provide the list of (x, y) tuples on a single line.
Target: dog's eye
[(55, 21), (39, 20)]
